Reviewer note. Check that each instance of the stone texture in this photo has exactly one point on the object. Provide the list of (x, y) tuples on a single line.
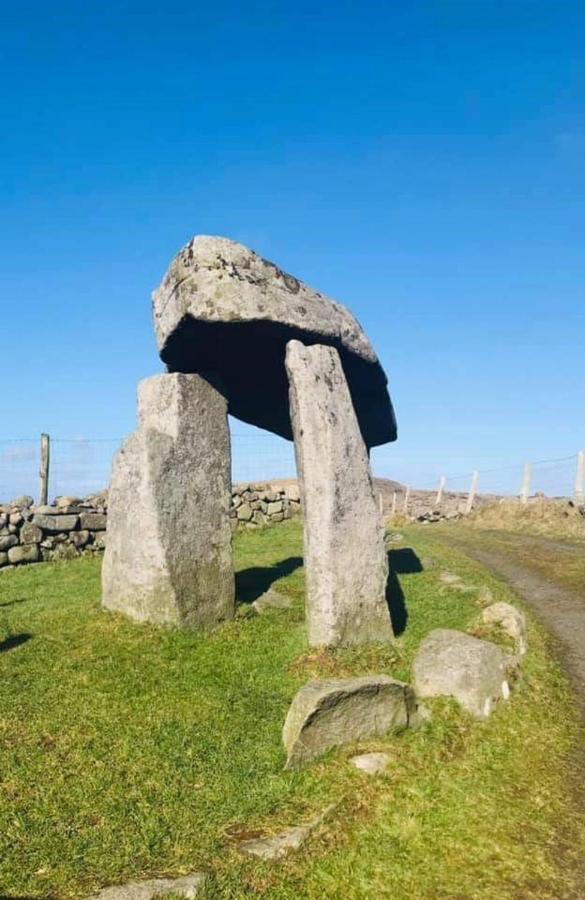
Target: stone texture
[(283, 843), (510, 620), (371, 763), (3, 559), (346, 566), (7, 541), (31, 534), (218, 299), (187, 887), (93, 521), (55, 523), (327, 714), (168, 556), (271, 600), (25, 553), (475, 673)]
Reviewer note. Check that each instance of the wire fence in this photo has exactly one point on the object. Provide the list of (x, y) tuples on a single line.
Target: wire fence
[(80, 467)]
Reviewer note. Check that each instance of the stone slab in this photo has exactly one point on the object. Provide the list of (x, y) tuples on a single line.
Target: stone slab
[(168, 556), (219, 299), (346, 565)]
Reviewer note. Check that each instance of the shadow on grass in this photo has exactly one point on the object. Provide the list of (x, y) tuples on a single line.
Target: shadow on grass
[(252, 583), (400, 562), (4, 606), (14, 640)]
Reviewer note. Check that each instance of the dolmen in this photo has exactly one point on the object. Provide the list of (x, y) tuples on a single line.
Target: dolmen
[(240, 336)]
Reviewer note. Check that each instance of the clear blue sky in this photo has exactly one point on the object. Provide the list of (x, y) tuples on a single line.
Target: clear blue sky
[(422, 162)]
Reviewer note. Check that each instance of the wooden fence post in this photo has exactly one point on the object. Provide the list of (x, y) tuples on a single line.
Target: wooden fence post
[(44, 470), (406, 499), (580, 477), (393, 513), (442, 483), (472, 492), (525, 489)]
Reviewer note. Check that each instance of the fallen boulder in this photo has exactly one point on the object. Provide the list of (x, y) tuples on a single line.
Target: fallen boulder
[(475, 673), (326, 714)]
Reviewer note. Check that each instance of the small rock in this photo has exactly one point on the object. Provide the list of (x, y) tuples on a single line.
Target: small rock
[(3, 559), (22, 502), (510, 620), (327, 714), (188, 887), (245, 512), (25, 553), (93, 522), (371, 763), (7, 541), (30, 534), (271, 600), (61, 502), (475, 673), (283, 843)]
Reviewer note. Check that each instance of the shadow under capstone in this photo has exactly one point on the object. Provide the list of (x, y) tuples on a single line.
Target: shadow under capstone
[(400, 562), (252, 583)]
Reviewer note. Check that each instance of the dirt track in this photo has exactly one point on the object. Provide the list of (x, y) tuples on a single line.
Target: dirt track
[(562, 611)]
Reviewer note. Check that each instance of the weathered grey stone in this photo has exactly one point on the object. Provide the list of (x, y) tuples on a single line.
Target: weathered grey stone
[(31, 534), (93, 521), (371, 763), (55, 524), (24, 553), (218, 299), (244, 512), (79, 538), (283, 843), (168, 556), (452, 664), (327, 714), (52, 511), (16, 518), (187, 887), (346, 565), (22, 502), (65, 502), (273, 508), (100, 541), (3, 559), (271, 600), (510, 620), (7, 541)]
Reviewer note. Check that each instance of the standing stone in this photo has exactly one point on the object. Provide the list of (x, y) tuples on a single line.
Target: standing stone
[(345, 558), (168, 558)]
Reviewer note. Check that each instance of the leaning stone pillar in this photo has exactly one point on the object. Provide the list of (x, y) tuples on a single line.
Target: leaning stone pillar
[(168, 558), (346, 566)]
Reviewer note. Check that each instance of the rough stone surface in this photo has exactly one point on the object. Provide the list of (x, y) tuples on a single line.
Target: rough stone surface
[(371, 763), (7, 541), (346, 564), (271, 600), (475, 673), (287, 841), (218, 299), (188, 887), (93, 521), (31, 534), (510, 620), (55, 523), (24, 553), (3, 559), (327, 714), (168, 557)]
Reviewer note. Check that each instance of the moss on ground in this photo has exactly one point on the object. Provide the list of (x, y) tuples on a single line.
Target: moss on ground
[(130, 751)]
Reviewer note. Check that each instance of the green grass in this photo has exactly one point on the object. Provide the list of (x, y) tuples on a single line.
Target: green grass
[(129, 751)]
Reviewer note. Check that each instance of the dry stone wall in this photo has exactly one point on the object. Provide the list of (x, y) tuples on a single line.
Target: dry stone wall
[(72, 525)]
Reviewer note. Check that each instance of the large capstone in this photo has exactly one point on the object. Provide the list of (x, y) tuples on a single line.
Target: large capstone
[(346, 565), (223, 309), (168, 558)]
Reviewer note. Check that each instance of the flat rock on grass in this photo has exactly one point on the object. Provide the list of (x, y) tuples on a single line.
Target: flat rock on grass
[(283, 843), (271, 600), (327, 714), (371, 763), (453, 664), (188, 886)]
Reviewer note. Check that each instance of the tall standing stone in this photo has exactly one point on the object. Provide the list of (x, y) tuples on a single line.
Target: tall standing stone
[(168, 558), (345, 559)]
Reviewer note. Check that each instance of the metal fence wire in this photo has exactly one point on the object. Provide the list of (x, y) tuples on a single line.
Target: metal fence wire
[(80, 467)]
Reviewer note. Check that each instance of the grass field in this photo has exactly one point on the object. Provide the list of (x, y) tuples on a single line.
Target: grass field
[(129, 751)]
